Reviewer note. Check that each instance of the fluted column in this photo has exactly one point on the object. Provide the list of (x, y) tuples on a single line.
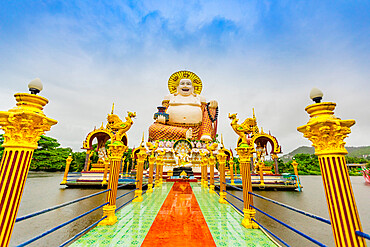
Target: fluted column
[(245, 153), (151, 168), (327, 132), (115, 153), (23, 125), (139, 174), (68, 163), (221, 157)]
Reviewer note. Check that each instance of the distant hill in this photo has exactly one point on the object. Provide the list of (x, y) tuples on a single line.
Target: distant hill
[(359, 152)]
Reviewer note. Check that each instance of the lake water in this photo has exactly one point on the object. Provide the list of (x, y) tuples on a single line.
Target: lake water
[(42, 190)]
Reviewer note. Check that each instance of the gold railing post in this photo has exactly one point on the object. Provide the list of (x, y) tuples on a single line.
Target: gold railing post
[(221, 157), (23, 125), (115, 153), (327, 132), (159, 173), (260, 167), (295, 167), (139, 174), (68, 163), (151, 168), (212, 163), (231, 163), (275, 158), (204, 172), (245, 153), (106, 164)]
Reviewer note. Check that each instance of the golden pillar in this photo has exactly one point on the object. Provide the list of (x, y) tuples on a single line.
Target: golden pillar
[(245, 153), (23, 125), (231, 163), (260, 169), (151, 168), (159, 173), (221, 157), (139, 174), (327, 132), (115, 153), (89, 153), (212, 163), (106, 164), (204, 172), (68, 163), (295, 167), (275, 159), (151, 160)]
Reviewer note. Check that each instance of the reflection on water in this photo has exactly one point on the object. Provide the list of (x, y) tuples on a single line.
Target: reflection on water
[(42, 190)]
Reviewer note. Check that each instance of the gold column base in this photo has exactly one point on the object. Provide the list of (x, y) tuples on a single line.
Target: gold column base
[(222, 198), (161, 181), (157, 183), (232, 182), (139, 197), (150, 188), (109, 211), (104, 182), (248, 216), (63, 182), (202, 182), (205, 184), (212, 189)]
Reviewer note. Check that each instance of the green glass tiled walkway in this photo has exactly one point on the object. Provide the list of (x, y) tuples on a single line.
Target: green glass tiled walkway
[(135, 220), (224, 222)]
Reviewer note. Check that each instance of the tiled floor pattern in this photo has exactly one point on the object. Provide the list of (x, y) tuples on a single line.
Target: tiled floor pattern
[(224, 222), (134, 222), (180, 221)]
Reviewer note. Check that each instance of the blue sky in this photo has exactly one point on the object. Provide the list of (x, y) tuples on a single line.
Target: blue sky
[(262, 54)]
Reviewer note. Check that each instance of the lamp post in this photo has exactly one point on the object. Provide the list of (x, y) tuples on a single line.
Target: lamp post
[(23, 125), (327, 132)]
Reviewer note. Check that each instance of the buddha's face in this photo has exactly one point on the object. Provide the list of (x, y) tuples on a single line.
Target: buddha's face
[(185, 87)]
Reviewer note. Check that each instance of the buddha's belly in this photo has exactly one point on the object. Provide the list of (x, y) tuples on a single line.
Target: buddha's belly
[(185, 114)]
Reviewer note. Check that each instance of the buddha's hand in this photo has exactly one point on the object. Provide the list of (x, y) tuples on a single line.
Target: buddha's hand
[(213, 104), (206, 138), (161, 119)]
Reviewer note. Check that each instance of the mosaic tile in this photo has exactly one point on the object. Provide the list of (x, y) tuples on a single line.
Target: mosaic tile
[(134, 222), (224, 222)]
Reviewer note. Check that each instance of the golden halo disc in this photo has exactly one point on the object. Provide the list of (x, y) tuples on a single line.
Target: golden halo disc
[(175, 78)]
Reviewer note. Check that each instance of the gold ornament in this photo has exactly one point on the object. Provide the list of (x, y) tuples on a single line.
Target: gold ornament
[(175, 78)]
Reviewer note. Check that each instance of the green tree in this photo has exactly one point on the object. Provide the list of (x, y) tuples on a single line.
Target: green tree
[(49, 156)]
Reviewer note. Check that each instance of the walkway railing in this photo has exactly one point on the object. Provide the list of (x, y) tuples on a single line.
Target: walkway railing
[(74, 219), (358, 233), (277, 220)]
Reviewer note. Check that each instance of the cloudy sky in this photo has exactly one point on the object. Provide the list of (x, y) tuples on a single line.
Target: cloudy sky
[(262, 54)]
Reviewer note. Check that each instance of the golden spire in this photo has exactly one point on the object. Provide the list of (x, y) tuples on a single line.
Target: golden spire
[(254, 117), (222, 142), (112, 108), (142, 141)]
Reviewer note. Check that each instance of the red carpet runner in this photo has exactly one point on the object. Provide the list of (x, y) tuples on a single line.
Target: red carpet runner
[(180, 221)]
